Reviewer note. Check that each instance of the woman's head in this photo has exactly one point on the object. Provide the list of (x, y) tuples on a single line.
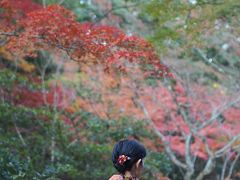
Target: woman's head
[(128, 155)]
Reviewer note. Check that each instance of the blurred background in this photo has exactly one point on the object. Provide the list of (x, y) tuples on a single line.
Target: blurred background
[(60, 120)]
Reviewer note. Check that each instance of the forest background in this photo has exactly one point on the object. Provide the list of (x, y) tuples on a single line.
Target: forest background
[(77, 76)]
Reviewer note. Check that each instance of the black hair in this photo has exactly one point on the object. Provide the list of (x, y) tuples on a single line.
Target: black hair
[(130, 148)]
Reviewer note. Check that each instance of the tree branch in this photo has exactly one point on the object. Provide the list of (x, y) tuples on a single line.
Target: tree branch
[(114, 9), (217, 113), (223, 150), (232, 166), (158, 133)]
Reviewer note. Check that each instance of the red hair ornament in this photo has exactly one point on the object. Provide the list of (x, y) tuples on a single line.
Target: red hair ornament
[(122, 159)]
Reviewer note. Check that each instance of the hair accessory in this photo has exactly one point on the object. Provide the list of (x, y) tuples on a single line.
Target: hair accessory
[(122, 159)]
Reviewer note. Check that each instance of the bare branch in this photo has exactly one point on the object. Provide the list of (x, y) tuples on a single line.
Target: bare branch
[(218, 113), (114, 9), (224, 168), (232, 166), (188, 157), (207, 169), (223, 150), (60, 2), (20, 135), (158, 133), (188, 150), (8, 33)]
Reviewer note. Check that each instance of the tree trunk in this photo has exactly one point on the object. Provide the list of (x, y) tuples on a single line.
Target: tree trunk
[(188, 175)]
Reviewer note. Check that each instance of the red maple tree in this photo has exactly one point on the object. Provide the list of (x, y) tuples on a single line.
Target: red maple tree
[(192, 121), (29, 28)]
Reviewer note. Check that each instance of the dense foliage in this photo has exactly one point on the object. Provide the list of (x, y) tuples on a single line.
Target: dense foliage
[(81, 149), (44, 133)]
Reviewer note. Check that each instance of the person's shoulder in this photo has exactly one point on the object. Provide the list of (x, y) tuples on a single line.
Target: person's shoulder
[(116, 177)]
